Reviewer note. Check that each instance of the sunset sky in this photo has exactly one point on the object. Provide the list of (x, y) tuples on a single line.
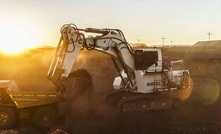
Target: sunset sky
[(180, 22)]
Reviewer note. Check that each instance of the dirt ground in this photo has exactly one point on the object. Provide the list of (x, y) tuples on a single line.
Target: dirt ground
[(199, 115)]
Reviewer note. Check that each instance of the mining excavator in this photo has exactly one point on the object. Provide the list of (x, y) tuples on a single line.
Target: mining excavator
[(144, 83)]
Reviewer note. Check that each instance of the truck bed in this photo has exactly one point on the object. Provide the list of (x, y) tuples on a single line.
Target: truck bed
[(23, 99), (30, 98)]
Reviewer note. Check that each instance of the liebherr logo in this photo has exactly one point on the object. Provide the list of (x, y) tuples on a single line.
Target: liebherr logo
[(153, 83)]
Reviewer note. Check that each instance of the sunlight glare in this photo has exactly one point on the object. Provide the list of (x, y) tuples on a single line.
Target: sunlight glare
[(209, 91), (16, 36)]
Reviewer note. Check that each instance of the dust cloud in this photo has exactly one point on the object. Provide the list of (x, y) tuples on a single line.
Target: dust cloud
[(87, 114), (28, 69)]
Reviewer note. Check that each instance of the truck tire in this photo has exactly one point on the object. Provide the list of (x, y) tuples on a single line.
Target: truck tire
[(45, 117), (7, 117)]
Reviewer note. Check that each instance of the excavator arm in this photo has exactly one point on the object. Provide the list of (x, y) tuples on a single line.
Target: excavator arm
[(73, 40)]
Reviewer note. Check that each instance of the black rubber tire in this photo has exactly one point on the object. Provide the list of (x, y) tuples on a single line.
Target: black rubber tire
[(45, 117), (7, 117)]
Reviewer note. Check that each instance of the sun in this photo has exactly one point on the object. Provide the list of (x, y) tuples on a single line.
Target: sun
[(17, 36)]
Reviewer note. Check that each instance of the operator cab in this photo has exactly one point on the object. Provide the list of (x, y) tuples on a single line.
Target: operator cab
[(148, 60), (148, 69)]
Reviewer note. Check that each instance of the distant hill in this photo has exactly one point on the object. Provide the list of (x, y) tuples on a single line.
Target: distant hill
[(208, 44), (139, 45), (206, 50)]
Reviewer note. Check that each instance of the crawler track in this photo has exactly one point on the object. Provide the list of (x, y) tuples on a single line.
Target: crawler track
[(126, 101)]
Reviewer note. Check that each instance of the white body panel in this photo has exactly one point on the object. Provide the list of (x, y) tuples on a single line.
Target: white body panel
[(118, 82), (147, 83), (70, 58)]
